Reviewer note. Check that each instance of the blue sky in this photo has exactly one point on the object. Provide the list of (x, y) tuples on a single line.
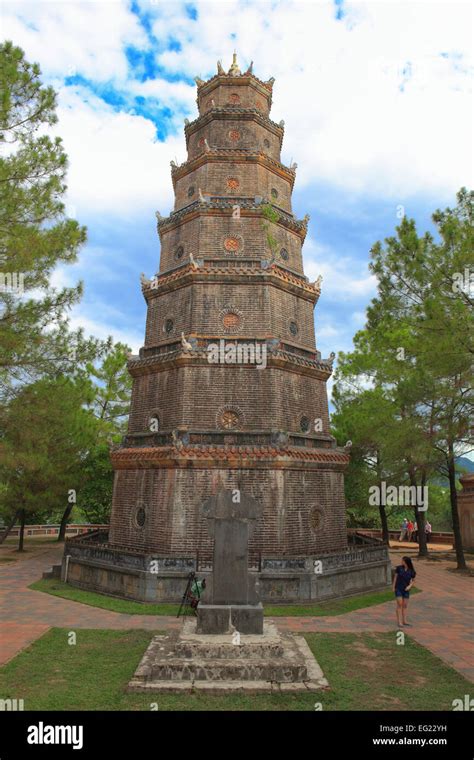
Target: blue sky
[(377, 107)]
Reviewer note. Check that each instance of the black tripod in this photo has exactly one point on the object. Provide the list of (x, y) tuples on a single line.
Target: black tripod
[(188, 596)]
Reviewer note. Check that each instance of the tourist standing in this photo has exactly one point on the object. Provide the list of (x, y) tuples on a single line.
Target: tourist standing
[(402, 583), (428, 531), (409, 530), (403, 529)]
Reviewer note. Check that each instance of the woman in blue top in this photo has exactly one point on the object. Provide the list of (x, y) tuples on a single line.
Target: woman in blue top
[(402, 583)]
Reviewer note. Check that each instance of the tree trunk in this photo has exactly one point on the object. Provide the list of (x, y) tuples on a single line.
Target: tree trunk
[(22, 530), (382, 513), (9, 527), (384, 522), (420, 524), (454, 508), (64, 519), (419, 518)]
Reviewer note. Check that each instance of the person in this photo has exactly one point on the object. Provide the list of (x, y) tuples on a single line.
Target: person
[(403, 529), (428, 531), (195, 593), (402, 583), (409, 530)]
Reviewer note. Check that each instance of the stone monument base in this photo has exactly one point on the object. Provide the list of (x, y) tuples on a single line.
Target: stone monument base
[(225, 618), (188, 661)]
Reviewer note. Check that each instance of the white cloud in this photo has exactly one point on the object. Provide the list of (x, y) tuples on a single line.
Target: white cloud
[(102, 329), (342, 276), (337, 86), (116, 164), (68, 37)]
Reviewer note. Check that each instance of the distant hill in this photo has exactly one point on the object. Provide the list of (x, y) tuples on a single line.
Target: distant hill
[(465, 463)]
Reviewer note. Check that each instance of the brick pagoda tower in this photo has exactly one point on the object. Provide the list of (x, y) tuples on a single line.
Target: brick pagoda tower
[(231, 274)]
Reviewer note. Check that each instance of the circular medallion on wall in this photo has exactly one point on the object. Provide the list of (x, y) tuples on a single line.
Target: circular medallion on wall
[(233, 244), (284, 254), (229, 418), (232, 184), (266, 143), (179, 252), (234, 135), (293, 328), (316, 519), (234, 99), (231, 319), (201, 142), (140, 517), (305, 424)]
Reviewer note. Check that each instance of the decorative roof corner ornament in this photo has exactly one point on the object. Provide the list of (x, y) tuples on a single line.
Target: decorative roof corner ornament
[(202, 198), (185, 343), (249, 70), (306, 219), (173, 164), (175, 437), (186, 122), (193, 261), (282, 123), (293, 166), (318, 281), (145, 282), (207, 147), (159, 217), (220, 70), (234, 70), (270, 82), (348, 445), (199, 81), (330, 361)]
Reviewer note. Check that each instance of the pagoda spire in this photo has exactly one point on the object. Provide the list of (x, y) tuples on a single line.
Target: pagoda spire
[(234, 70)]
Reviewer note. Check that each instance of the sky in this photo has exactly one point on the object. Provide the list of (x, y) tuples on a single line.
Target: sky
[(377, 104)]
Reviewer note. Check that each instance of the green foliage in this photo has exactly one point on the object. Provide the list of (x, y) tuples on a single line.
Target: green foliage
[(35, 234), (405, 394), (270, 218), (95, 492), (46, 433), (113, 385)]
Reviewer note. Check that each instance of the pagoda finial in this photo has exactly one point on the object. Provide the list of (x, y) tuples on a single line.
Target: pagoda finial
[(234, 70)]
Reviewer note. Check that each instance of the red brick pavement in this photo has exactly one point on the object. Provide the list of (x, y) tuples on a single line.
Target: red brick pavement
[(442, 616)]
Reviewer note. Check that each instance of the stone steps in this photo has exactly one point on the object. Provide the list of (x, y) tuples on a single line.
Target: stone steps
[(187, 661), (227, 670), (191, 650)]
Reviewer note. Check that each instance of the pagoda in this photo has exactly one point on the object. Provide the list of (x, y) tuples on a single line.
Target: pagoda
[(229, 389)]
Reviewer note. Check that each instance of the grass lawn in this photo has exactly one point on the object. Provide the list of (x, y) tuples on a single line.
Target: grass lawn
[(336, 607), (365, 672)]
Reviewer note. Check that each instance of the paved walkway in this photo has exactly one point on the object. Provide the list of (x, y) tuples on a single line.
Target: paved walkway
[(442, 616)]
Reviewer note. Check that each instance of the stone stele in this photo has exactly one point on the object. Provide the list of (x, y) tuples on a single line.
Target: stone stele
[(231, 602)]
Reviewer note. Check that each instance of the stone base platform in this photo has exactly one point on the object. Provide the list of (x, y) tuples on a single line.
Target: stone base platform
[(97, 566), (189, 661)]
